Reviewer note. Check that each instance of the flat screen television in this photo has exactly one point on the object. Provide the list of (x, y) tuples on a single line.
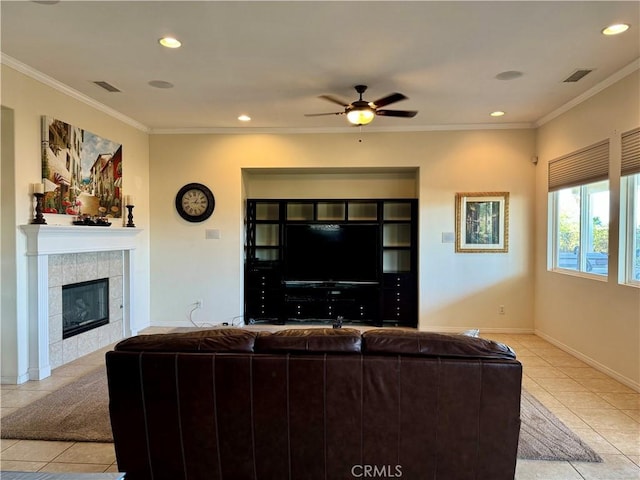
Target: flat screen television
[(331, 253)]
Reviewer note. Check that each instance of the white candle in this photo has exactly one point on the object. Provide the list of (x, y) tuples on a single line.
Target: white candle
[(128, 200), (37, 187)]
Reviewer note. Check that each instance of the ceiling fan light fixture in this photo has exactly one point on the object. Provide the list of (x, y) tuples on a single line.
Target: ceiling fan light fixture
[(362, 112), (360, 116)]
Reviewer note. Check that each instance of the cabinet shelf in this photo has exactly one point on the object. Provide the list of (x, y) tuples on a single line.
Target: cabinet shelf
[(267, 211), (397, 211), (330, 211), (363, 211), (267, 235)]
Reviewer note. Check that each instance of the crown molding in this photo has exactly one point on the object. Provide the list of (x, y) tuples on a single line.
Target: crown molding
[(65, 89), (607, 82), (346, 129)]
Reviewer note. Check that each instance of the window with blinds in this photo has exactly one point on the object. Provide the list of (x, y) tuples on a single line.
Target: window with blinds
[(630, 208), (579, 211), (588, 165), (630, 152)]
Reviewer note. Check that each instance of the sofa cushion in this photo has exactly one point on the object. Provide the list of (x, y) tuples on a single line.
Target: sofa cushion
[(213, 340), (311, 340), (390, 341)]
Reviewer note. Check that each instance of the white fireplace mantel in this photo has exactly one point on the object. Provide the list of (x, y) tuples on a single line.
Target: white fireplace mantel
[(58, 239), (45, 240)]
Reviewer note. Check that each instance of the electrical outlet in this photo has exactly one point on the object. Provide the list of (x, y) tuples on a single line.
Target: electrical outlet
[(198, 303), (501, 309)]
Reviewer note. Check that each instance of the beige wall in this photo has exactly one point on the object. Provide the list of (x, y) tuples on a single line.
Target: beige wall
[(597, 320), (328, 183), (457, 291), (8, 273), (29, 100)]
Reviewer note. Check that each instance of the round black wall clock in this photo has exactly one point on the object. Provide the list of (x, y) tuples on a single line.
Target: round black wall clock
[(195, 202)]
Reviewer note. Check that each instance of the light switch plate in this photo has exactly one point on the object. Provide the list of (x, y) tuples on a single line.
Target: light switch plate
[(212, 234), (448, 237)]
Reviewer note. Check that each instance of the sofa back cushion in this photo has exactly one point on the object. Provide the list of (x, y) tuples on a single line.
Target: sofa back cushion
[(385, 341), (233, 340), (311, 340), (406, 342)]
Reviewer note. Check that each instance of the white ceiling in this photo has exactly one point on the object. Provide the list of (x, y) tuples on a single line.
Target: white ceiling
[(271, 60)]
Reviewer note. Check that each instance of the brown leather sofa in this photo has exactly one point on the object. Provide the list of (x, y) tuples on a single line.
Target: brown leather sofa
[(331, 404)]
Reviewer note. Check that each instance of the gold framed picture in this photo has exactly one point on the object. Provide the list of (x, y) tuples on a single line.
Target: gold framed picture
[(482, 222)]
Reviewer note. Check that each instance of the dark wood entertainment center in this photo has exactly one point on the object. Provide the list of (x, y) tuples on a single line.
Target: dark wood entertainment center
[(323, 261)]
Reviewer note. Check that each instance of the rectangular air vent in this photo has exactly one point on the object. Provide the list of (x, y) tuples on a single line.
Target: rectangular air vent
[(578, 75), (107, 86)]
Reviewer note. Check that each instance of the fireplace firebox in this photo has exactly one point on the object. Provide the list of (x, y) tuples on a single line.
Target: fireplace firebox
[(85, 305)]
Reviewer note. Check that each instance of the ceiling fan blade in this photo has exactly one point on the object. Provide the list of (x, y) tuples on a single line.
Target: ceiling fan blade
[(397, 113), (321, 114), (389, 99), (334, 100)]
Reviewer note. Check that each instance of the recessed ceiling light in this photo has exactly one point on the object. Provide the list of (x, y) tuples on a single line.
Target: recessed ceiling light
[(509, 75), (497, 113), (615, 29), (244, 118), (160, 84), (169, 42)]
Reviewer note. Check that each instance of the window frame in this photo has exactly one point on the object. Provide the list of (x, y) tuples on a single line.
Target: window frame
[(629, 188), (629, 241), (553, 260)]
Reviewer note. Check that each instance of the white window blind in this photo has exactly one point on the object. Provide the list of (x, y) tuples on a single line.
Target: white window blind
[(588, 165), (631, 152)]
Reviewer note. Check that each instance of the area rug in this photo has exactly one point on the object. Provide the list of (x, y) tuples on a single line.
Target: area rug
[(544, 437), (79, 412)]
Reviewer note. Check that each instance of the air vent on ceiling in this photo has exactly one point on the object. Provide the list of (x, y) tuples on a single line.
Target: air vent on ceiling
[(578, 75), (107, 86)]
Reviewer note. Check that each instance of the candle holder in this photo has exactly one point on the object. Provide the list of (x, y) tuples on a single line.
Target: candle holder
[(130, 217), (39, 218)]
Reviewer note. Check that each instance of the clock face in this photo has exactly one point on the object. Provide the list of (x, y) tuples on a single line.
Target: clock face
[(195, 202)]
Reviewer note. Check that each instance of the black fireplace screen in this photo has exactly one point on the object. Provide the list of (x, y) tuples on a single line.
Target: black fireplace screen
[(85, 305)]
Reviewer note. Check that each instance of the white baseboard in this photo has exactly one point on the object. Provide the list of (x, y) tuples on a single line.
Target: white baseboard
[(591, 362), (197, 325), (19, 380), (505, 330)]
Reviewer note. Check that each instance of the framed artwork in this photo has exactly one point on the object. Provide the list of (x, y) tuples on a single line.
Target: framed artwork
[(482, 222), (81, 171)]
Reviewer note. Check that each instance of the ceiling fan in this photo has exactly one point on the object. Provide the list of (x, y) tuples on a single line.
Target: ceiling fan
[(362, 112)]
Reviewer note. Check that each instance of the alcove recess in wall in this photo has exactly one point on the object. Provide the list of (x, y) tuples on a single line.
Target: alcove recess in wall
[(330, 196), (330, 182)]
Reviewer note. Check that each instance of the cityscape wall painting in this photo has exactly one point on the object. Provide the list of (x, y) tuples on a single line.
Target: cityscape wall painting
[(81, 172), (482, 222)]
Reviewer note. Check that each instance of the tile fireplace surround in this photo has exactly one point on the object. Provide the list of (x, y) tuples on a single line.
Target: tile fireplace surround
[(60, 255)]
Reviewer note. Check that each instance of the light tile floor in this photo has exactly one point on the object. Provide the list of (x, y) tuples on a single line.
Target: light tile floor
[(602, 411)]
